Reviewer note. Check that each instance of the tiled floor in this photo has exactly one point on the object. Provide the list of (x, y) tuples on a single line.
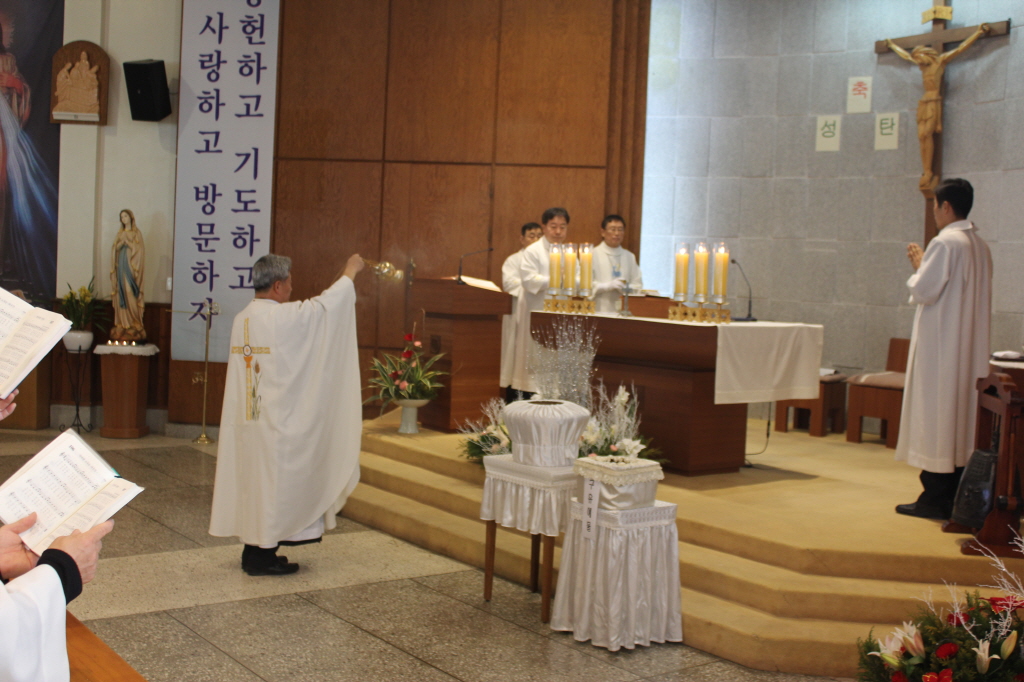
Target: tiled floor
[(173, 602)]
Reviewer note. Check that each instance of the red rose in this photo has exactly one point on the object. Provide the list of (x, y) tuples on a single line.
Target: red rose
[(395, 375), (406, 354), (899, 676), (930, 677), (946, 675), (947, 650), (1019, 677), (956, 619), (409, 337)]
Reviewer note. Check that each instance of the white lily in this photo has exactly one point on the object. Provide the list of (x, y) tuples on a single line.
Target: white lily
[(1009, 644), (984, 659), (911, 639), (889, 650), (631, 448)]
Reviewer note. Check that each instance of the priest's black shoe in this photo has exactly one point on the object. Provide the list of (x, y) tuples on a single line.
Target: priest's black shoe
[(276, 568), (922, 511)]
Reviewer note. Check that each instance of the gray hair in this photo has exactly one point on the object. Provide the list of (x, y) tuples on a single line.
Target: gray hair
[(269, 269)]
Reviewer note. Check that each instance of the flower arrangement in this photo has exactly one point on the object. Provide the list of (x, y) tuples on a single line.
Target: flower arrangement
[(976, 639), (486, 436), (405, 377), (614, 428), (82, 307)]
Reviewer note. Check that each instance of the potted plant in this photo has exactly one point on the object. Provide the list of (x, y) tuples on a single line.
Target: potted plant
[(407, 380), (82, 309)]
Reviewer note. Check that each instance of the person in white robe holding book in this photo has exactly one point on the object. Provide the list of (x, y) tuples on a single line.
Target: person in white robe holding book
[(291, 423)]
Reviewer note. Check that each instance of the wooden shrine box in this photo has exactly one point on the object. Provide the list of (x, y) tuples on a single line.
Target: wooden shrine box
[(33, 401), (463, 322), (672, 367), (125, 392)]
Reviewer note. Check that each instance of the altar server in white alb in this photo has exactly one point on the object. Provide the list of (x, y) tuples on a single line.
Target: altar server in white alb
[(949, 351), (512, 283), (292, 419), (614, 267), (536, 261)]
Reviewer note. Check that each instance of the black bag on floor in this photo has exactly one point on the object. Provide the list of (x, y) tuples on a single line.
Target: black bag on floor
[(974, 496)]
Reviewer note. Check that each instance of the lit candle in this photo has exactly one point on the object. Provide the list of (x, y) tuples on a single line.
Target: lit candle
[(586, 267), (721, 269), (682, 272), (555, 267), (700, 261), (569, 274)]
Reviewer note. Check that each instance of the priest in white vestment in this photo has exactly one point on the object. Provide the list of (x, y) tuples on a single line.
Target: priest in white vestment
[(291, 424), (614, 267), (949, 351), (512, 283), (535, 278)]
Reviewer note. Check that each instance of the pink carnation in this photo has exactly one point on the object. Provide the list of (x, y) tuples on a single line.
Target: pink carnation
[(404, 385), (614, 448), (418, 344)]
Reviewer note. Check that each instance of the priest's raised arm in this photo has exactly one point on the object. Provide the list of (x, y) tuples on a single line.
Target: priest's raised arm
[(291, 424)]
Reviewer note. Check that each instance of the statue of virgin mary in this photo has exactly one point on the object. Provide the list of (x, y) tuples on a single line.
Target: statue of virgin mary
[(126, 272)]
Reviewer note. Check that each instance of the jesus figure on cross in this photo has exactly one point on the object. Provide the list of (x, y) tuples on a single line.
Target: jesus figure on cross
[(929, 108)]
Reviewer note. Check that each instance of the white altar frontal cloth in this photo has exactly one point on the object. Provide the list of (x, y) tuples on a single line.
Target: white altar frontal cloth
[(528, 498), (621, 588), (760, 362), (545, 432)]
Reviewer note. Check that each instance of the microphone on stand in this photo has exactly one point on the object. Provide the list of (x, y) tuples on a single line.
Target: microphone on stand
[(458, 280), (750, 296)]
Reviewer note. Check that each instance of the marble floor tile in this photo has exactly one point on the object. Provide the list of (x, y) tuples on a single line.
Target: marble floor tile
[(10, 464), (139, 473), (183, 463), (643, 661), (454, 637), (289, 638), (348, 526), (724, 671), (509, 601), (136, 534), (184, 510), (164, 650), (173, 580)]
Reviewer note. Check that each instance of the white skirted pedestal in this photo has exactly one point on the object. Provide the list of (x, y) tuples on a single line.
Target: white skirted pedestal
[(534, 499), (621, 588)]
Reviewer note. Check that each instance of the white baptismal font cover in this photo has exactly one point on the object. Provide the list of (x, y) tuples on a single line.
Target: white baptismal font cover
[(621, 482), (621, 588), (545, 433), (528, 498)]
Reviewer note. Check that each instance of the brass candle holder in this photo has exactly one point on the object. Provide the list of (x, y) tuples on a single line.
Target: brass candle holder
[(385, 270), (713, 313)]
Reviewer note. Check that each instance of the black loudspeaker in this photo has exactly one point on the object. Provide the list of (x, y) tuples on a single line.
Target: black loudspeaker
[(148, 95), (974, 496)]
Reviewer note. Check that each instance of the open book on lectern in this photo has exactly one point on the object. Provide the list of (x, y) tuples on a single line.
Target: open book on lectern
[(27, 334), (69, 486)]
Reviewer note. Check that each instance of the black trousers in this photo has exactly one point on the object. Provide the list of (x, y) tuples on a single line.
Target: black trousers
[(940, 490)]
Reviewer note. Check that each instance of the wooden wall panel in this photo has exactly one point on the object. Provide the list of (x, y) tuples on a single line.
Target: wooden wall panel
[(185, 398), (331, 81), (553, 82), (523, 193), (432, 214), (324, 212), (442, 75)]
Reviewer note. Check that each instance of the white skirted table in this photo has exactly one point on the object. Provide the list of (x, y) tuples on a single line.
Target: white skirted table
[(534, 499), (621, 588)]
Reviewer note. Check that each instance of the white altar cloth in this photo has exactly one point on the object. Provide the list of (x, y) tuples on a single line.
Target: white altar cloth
[(528, 498), (621, 588), (759, 362)]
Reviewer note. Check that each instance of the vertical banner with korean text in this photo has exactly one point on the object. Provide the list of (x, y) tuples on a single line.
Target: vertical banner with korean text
[(225, 164)]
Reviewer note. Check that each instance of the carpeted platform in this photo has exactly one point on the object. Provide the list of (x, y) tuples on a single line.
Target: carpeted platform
[(783, 565)]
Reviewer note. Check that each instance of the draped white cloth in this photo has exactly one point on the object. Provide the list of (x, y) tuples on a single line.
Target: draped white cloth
[(511, 283), (528, 498), (33, 624), (144, 349), (759, 362), (949, 350), (621, 588), (608, 261), (545, 432), (291, 424)]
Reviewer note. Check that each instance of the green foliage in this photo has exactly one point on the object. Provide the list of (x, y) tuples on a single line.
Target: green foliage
[(82, 307), (405, 377)]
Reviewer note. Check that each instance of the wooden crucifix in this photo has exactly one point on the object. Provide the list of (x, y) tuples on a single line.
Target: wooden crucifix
[(927, 50)]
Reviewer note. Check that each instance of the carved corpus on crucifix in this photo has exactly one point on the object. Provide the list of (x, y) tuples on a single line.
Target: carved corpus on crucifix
[(928, 51)]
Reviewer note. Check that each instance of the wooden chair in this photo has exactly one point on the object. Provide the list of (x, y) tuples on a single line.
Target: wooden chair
[(880, 395), (814, 414)]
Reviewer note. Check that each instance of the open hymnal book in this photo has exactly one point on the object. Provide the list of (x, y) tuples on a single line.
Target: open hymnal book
[(27, 334), (69, 486)]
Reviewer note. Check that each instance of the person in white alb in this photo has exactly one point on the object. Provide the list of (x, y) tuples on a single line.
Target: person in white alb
[(291, 424), (35, 593), (614, 266), (949, 351), (555, 225), (512, 283)]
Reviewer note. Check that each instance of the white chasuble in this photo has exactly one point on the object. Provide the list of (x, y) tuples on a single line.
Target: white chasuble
[(33, 626), (511, 283), (535, 284), (291, 426), (949, 350), (611, 264)]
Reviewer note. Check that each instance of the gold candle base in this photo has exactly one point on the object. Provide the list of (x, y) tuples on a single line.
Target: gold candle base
[(715, 313), (574, 305)]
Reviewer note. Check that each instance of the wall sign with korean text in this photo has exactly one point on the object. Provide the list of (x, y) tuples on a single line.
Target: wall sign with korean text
[(225, 163)]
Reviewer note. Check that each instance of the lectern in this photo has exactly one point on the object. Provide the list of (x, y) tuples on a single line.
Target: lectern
[(463, 321)]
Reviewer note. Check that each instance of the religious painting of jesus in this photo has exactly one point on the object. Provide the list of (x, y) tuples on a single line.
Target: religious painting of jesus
[(30, 32)]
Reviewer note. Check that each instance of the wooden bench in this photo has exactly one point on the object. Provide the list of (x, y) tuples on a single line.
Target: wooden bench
[(879, 395), (814, 414), (91, 660)]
